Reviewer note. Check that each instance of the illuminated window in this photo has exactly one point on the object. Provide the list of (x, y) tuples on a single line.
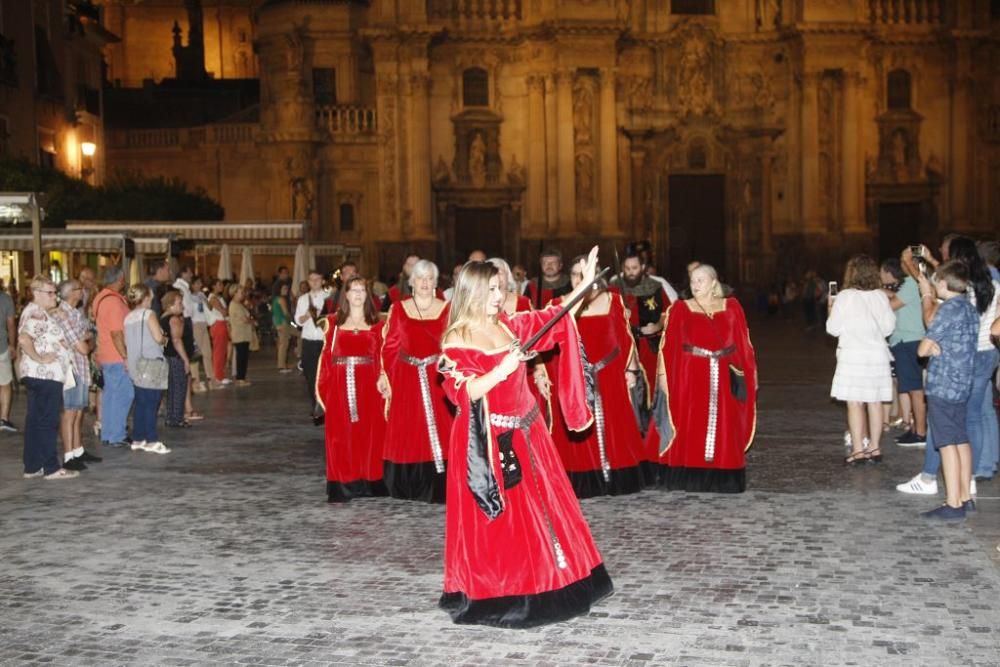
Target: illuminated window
[(475, 87)]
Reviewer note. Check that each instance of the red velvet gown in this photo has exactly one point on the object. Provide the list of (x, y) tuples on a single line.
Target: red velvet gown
[(418, 414), (518, 552), (355, 429), (698, 457), (609, 346)]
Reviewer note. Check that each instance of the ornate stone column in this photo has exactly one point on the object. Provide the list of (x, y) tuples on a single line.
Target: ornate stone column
[(961, 121), (537, 168), (851, 166), (420, 157), (551, 156), (811, 218), (387, 108), (566, 169), (608, 154), (638, 229)]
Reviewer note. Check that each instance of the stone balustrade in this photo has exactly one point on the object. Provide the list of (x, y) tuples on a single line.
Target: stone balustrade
[(473, 13), (237, 133), (342, 120), (908, 12)]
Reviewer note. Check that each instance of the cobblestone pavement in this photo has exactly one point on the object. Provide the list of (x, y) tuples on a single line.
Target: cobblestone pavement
[(225, 552)]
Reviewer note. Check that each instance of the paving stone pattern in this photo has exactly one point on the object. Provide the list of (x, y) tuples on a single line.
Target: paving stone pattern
[(225, 552)]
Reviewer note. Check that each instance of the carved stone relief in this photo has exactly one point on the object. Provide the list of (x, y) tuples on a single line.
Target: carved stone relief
[(583, 139), (696, 77)]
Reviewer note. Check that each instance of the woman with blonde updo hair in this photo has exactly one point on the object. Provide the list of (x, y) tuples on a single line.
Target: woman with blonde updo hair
[(144, 339), (518, 552), (707, 383)]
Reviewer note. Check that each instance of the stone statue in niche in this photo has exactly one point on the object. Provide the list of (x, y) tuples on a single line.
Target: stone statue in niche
[(302, 199), (583, 110), (515, 172), (442, 174), (694, 77), (477, 161)]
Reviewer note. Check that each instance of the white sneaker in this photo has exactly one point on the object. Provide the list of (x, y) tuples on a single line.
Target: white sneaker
[(156, 448), (918, 486), (225, 381), (138, 445), (972, 487)]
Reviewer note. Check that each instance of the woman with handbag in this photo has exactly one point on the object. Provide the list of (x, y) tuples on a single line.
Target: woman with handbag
[(241, 327), (178, 355), (707, 375), (147, 367)]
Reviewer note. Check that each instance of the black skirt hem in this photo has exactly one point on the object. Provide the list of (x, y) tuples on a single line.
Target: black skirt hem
[(652, 473), (591, 484), (704, 480), (341, 492), (528, 611), (414, 481)]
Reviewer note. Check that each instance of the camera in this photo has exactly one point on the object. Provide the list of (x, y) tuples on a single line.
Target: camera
[(832, 288), (917, 251)]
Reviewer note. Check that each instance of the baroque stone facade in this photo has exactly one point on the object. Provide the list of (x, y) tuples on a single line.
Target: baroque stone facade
[(763, 136)]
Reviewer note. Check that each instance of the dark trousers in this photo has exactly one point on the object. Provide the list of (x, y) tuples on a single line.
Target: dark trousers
[(41, 425), (242, 359), (177, 382), (311, 351), (147, 404)]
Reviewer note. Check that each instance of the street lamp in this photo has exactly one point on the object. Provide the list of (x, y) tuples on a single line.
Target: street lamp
[(19, 207), (88, 148)]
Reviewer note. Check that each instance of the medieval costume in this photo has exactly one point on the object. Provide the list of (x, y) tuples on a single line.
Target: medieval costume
[(561, 286), (400, 292), (711, 374), (605, 458), (518, 552), (346, 387), (646, 303), (418, 414)]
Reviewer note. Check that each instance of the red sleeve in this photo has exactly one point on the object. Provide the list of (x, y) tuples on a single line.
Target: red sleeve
[(671, 349), (746, 361), (325, 390), (392, 337)]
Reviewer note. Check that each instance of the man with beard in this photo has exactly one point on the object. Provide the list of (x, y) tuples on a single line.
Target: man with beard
[(553, 281), (647, 305)]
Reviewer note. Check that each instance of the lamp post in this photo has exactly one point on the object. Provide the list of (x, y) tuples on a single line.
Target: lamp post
[(21, 207), (88, 149)]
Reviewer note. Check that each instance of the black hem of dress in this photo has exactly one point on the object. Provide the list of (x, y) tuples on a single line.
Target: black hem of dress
[(652, 473), (415, 481), (704, 480), (341, 492), (528, 611), (591, 484)]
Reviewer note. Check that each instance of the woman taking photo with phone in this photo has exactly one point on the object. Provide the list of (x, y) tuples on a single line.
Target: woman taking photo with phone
[(861, 318)]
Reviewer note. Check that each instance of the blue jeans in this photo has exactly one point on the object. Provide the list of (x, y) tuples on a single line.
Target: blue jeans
[(984, 432), (147, 403), (116, 401), (41, 425)]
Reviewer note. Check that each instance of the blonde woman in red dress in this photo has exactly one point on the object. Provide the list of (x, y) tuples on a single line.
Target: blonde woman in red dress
[(419, 416), (518, 552), (352, 391), (708, 372)]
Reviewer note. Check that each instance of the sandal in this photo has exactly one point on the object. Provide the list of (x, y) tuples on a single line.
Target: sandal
[(873, 455), (855, 458), (194, 416)]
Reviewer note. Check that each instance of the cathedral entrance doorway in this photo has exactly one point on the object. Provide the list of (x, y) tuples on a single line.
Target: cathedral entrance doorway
[(697, 220), (898, 227), (479, 229)]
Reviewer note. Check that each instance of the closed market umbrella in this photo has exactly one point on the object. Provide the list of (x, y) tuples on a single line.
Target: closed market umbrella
[(246, 267), (299, 268), (225, 263)]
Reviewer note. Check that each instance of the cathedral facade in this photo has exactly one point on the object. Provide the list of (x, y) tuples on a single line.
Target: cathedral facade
[(763, 136)]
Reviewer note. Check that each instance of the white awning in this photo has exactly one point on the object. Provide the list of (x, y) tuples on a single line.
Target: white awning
[(54, 239), (273, 230), (270, 250)]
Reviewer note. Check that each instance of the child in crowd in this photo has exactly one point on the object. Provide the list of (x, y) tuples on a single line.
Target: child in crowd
[(950, 342)]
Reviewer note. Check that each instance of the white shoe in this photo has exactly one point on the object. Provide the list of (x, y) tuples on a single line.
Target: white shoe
[(156, 448), (847, 440), (972, 487), (62, 473), (225, 381), (918, 486), (138, 445)]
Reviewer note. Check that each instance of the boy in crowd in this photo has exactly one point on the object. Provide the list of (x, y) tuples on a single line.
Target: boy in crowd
[(950, 342)]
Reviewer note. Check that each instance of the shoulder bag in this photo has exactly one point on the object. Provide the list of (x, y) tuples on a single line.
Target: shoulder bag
[(150, 373)]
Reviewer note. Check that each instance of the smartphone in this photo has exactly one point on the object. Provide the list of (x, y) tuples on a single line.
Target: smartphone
[(832, 290), (917, 251)]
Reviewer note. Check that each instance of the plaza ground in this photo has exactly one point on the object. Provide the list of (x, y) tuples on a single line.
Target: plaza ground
[(225, 552)]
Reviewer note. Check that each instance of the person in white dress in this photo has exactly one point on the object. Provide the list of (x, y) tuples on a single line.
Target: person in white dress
[(861, 319)]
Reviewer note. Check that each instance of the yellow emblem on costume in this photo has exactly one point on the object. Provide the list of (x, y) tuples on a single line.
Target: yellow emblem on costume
[(651, 303)]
